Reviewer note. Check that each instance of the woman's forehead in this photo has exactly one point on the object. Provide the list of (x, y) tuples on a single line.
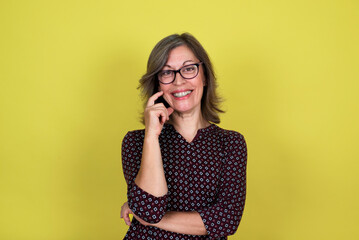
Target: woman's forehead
[(180, 56)]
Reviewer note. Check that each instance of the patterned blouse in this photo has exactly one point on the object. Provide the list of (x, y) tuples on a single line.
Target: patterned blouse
[(207, 175)]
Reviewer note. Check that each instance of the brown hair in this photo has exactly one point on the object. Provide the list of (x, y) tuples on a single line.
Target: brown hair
[(158, 58)]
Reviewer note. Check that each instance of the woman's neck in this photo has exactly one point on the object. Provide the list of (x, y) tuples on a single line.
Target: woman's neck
[(188, 124)]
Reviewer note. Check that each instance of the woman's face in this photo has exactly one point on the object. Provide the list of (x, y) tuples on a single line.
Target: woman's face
[(183, 95)]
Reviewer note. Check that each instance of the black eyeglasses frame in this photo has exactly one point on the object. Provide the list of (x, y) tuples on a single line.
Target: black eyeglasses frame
[(179, 71)]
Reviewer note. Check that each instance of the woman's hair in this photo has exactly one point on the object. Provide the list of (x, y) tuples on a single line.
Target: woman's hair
[(149, 83)]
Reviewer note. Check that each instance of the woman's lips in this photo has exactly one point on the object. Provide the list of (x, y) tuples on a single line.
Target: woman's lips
[(180, 95)]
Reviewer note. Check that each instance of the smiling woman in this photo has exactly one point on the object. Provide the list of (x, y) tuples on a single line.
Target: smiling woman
[(186, 176), (149, 83)]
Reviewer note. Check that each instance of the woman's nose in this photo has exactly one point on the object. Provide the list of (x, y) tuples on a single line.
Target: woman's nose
[(178, 79)]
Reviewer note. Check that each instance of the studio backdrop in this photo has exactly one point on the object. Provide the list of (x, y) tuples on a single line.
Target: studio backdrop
[(288, 71)]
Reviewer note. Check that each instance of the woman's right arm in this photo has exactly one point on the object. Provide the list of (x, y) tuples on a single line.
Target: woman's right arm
[(151, 176), (147, 196)]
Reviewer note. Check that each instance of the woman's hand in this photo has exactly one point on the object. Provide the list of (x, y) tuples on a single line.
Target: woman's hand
[(156, 115), (125, 214)]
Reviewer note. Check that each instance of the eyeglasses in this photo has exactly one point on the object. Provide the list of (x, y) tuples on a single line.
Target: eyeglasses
[(187, 72)]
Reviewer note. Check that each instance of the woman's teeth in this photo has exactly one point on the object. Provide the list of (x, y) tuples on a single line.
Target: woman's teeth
[(182, 94)]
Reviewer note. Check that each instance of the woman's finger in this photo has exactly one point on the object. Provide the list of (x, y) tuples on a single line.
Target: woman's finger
[(122, 212), (170, 111), (163, 117), (125, 212), (153, 98), (127, 217), (160, 112)]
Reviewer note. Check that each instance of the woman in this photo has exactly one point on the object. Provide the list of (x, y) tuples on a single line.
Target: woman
[(186, 176)]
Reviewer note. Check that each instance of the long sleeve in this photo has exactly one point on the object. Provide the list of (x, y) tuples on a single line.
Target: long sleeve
[(223, 217), (146, 206)]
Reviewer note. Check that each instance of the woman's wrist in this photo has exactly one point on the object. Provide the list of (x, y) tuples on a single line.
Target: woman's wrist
[(182, 222), (150, 137)]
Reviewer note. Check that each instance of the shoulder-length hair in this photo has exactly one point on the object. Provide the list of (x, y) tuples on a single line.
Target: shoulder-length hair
[(149, 83)]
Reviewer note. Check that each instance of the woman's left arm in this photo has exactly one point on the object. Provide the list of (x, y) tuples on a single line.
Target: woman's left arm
[(223, 217), (182, 222)]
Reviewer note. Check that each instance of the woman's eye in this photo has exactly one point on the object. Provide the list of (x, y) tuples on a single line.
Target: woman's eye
[(189, 69), (166, 73)]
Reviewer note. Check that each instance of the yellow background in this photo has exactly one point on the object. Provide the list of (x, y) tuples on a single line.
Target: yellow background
[(68, 76)]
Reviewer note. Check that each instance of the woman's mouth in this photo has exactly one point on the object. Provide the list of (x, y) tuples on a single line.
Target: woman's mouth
[(181, 94)]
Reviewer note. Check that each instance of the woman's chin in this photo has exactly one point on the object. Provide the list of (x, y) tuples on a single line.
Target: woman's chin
[(183, 109)]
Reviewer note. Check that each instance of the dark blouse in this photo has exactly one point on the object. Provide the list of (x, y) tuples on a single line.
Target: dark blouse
[(207, 175)]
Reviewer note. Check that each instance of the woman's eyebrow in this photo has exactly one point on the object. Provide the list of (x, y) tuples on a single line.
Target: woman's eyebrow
[(182, 63), (187, 61)]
